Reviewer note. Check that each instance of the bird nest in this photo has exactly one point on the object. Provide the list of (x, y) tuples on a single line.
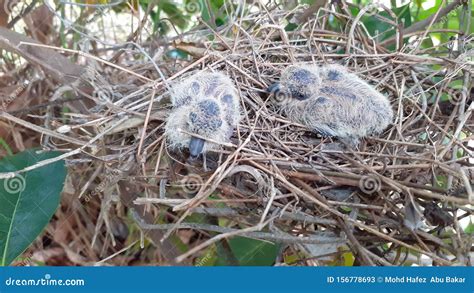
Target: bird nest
[(395, 199)]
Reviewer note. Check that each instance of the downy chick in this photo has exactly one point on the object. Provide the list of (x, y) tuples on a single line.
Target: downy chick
[(205, 104), (332, 102)]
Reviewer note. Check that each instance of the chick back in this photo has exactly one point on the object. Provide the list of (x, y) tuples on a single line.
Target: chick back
[(341, 105)]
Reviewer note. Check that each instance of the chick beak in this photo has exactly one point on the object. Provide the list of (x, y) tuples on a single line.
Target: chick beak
[(274, 88), (195, 146)]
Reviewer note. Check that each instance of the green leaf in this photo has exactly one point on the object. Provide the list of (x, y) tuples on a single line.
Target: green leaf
[(251, 252), (209, 258), (5, 145), (174, 13), (27, 201), (203, 10), (441, 181), (291, 258), (428, 42), (470, 228), (291, 27), (348, 259), (384, 30)]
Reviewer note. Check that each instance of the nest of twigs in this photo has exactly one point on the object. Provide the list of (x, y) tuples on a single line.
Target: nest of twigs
[(396, 199)]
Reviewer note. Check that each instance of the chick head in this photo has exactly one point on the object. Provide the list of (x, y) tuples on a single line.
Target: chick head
[(297, 82), (205, 112)]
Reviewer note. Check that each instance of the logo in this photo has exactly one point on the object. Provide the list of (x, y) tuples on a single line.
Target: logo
[(15, 184), (370, 184), (191, 183)]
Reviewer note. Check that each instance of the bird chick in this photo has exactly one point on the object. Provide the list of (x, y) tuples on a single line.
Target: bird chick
[(205, 104), (332, 102)]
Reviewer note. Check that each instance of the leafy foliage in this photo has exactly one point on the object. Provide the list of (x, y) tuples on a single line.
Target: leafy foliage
[(382, 29)]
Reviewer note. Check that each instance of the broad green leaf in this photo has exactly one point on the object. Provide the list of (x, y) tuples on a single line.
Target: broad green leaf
[(423, 14), (216, 5), (381, 28), (426, 11), (204, 12), (174, 12), (27, 201)]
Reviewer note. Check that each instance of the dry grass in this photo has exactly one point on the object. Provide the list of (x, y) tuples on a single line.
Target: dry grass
[(395, 198)]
